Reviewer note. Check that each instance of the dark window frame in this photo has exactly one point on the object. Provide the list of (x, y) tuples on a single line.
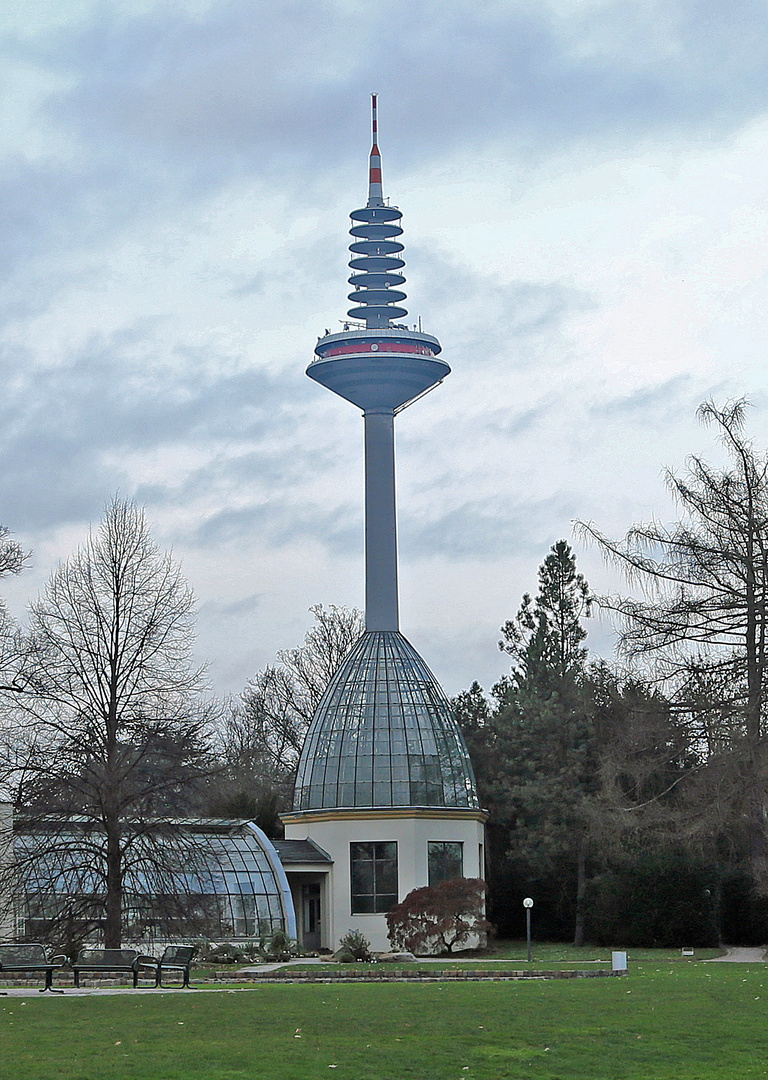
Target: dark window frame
[(379, 865), (434, 875)]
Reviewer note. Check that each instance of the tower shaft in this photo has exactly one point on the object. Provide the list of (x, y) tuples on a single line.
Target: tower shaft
[(381, 598), (381, 366)]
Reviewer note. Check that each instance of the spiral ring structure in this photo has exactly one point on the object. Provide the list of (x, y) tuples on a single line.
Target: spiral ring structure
[(376, 260)]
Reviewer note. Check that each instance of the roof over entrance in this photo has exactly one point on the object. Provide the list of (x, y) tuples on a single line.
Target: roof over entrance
[(300, 851)]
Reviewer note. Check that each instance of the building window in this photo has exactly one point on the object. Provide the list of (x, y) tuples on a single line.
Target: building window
[(374, 877), (445, 860)]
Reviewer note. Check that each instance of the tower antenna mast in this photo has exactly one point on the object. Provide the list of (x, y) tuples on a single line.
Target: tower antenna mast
[(381, 369)]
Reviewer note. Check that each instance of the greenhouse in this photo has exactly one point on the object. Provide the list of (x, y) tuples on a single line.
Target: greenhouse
[(220, 879)]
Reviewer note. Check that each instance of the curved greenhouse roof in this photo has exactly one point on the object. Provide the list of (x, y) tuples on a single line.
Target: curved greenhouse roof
[(207, 876), (384, 735)]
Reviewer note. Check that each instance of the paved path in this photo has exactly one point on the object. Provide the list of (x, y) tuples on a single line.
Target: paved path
[(734, 955), (739, 955), (104, 991)]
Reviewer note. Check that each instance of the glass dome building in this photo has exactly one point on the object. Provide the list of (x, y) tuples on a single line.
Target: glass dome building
[(204, 877), (383, 735)]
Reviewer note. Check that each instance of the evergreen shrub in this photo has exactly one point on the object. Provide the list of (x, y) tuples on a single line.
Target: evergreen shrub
[(661, 901)]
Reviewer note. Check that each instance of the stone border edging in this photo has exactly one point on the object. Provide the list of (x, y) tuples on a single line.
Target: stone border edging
[(403, 975)]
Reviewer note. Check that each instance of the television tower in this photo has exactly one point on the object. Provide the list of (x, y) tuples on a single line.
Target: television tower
[(384, 785), (382, 367)]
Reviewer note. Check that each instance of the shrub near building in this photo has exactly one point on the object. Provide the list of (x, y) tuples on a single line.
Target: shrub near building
[(440, 918)]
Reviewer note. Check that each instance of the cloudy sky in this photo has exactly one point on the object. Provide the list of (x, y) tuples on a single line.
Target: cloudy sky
[(583, 185)]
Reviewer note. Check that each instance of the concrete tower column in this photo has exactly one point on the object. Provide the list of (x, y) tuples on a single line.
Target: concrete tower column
[(381, 601)]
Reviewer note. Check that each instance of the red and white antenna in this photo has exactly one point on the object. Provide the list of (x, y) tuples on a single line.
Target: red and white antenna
[(375, 195)]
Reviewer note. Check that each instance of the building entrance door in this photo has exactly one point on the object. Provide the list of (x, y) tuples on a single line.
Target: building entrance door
[(310, 902)]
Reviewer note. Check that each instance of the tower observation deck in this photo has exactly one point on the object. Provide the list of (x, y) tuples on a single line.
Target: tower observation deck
[(383, 734), (381, 368)]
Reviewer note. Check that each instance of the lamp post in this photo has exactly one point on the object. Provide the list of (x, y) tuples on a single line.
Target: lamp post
[(528, 904)]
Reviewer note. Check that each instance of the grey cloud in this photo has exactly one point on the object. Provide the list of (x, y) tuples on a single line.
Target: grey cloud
[(488, 528), (276, 525), (664, 400), (56, 427), (516, 317), (251, 286), (246, 605), (166, 108), (510, 424), (266, 88)]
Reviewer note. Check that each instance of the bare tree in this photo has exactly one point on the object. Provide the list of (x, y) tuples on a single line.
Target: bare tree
[(109, 723), (703, 621), (310, 666), (705, 577), (282, 699), (263, 735), (12, 642), (12, 558)]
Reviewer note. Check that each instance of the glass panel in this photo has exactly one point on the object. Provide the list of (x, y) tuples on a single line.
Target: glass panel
[(383, 719), (445, 860), (197, 883), (386, 877), (373, 872), (362, 877)]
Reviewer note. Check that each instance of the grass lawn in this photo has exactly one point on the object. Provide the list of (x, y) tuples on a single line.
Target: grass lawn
[(511, 955), (546, 953), (665, 1021)]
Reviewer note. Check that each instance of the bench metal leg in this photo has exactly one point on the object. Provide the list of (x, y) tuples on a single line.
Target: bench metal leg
[(185, 984), (49, 984)]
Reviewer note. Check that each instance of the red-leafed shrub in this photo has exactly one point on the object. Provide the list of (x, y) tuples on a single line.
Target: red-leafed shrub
[(438, 918)]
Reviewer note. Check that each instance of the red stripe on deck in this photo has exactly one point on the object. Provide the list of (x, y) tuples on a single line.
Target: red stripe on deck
[(384, 347)]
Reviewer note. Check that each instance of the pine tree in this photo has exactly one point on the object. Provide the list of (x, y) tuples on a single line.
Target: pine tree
[(546, 748)]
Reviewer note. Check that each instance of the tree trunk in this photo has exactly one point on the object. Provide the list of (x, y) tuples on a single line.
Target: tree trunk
[(113, 915), (581, 891), (113, 921)]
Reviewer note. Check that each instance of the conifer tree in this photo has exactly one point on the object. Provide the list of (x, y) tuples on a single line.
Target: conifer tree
[(702, 627), (546, 760)]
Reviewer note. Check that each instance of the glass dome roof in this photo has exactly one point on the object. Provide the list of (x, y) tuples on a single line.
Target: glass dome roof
[(384, 735)]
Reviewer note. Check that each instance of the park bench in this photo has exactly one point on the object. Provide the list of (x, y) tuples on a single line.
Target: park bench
[(175, 958), (31, 957), (126, 961)]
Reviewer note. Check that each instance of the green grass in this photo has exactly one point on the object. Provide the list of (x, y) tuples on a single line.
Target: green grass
[(512, 955), (557, 952), (666, 1021)]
